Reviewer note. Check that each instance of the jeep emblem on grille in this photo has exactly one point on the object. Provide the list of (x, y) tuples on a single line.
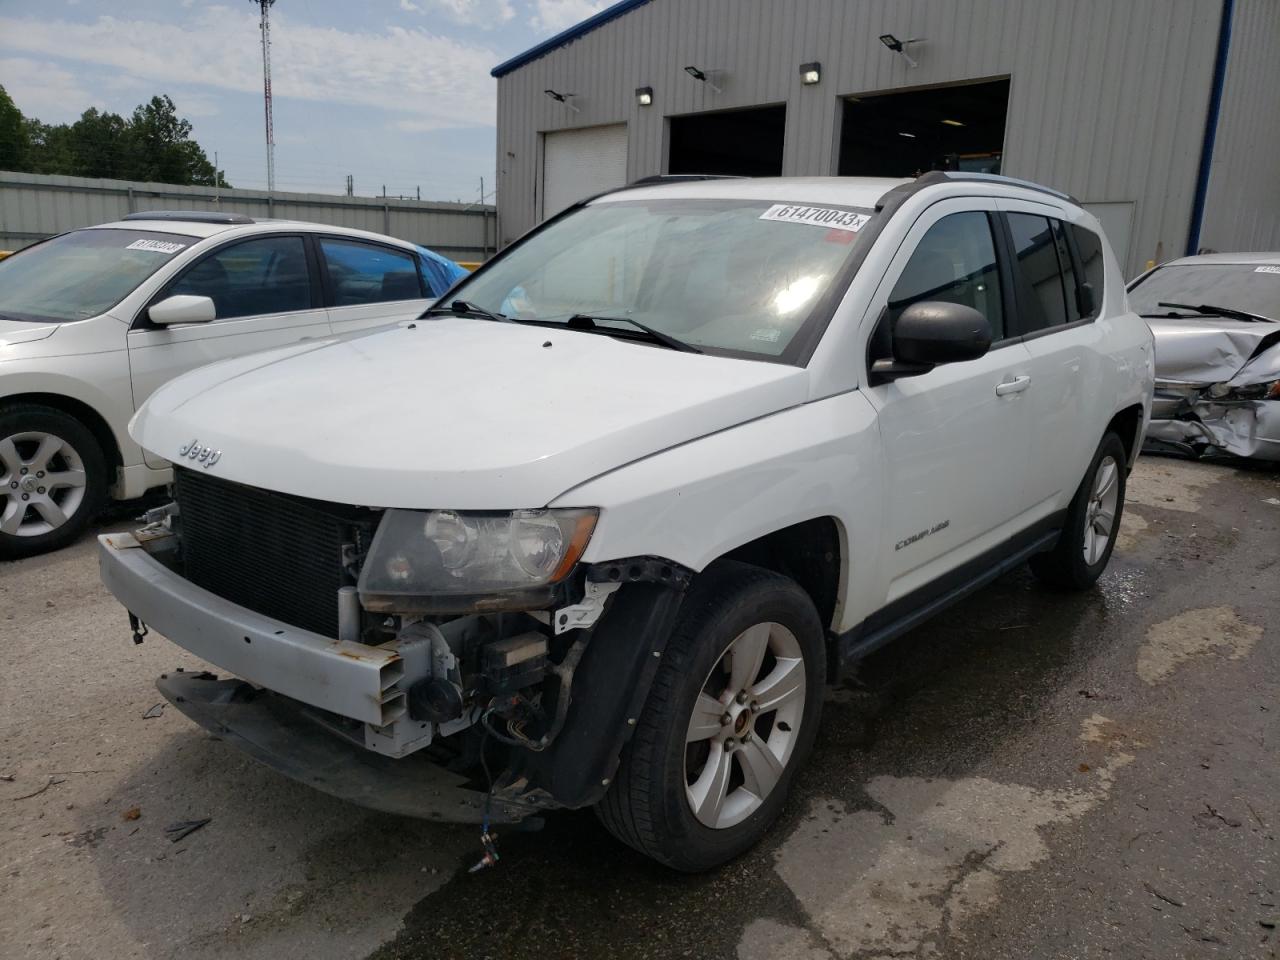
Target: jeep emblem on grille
[(205, 455)]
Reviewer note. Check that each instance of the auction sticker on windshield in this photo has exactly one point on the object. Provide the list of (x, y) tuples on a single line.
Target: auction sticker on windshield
[(156, 246), (827, 217)]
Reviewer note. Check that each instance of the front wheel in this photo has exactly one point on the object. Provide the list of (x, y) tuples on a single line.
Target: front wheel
[(1092, 522), (733, 712), (53, 479)]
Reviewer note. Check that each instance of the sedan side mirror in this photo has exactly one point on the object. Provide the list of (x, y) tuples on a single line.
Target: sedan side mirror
[(930, 333), (182, 308)]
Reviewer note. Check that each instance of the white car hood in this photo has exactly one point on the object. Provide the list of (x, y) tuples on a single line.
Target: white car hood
[(453, 412), (1208, 350)]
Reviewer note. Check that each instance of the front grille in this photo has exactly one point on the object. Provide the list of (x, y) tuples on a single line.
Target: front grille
[(272, 553)]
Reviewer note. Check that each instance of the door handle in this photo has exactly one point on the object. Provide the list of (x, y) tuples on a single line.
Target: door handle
[(1016, 385)]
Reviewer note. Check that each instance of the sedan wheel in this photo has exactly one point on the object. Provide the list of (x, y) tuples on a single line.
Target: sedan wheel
[(745, 725), (53, 479), (42, 483)]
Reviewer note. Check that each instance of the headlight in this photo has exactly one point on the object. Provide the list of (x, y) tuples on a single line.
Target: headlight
[(1254, 391), (445, 561)]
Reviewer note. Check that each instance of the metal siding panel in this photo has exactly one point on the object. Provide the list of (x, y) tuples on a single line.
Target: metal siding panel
[(31, 204), (1242, 208)]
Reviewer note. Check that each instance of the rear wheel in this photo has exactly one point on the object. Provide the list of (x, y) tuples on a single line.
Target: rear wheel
[(732, 714), (53, 479), (1093, 520)]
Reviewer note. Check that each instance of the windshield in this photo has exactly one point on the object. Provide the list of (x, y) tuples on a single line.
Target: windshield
[(735, 276), (81, 274), (1253, 288)]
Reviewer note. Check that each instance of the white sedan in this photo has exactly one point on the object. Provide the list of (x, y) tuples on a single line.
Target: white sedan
[(93, 321)]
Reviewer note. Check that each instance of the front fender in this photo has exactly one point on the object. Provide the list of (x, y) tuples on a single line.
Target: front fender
[(697, 502)]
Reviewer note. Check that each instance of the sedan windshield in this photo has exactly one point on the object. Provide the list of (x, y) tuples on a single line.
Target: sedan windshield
[(738, 277), (81, 274), (1252, 288)]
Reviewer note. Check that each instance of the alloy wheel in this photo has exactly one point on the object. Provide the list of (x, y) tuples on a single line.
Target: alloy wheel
[(42, 483), (745, 725), (1100, 515)]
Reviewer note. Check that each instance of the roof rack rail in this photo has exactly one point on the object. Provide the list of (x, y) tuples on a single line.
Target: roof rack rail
[(190, 216), (681, 178), (942, 176)]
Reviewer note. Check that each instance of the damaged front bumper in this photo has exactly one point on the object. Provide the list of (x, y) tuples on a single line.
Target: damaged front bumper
[(1245, 428), (290, 739)]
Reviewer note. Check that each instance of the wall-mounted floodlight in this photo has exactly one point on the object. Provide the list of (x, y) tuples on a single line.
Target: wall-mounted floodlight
[(562, 98), (699, 75), (810, 73), (899, 47), (644, 96)]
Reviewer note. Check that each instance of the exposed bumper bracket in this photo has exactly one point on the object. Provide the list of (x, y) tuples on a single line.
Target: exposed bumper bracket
[(279, 733)]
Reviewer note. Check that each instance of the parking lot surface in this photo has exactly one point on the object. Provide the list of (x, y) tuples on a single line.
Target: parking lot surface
[(1032, 775)]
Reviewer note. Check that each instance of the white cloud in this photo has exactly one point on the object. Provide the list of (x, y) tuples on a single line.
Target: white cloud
[(44, 90), (556, 15), (473, 13), (439, 81)]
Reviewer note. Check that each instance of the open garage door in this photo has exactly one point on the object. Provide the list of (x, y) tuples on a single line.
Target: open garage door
[(741, 143), (910, 132), (582, 163)]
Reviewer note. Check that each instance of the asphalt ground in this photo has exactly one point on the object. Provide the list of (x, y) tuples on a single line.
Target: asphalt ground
[(1033, 774)]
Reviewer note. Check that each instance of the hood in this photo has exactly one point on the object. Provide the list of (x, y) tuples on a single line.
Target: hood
[(1209, 350), (454, 412), (14, 332)]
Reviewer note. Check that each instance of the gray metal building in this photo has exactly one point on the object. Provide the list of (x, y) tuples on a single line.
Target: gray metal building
[(1161, 116)]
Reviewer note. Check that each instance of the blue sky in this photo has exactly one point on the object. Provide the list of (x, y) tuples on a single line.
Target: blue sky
[(394, 92)]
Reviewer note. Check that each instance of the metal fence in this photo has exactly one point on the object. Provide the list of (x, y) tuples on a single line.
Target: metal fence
[(34, 206)]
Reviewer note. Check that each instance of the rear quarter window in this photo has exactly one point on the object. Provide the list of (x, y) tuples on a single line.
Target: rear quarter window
[(1089, 247)]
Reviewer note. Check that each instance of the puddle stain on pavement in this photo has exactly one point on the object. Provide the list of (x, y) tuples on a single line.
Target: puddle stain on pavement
[(1194, 633), (935, 853)]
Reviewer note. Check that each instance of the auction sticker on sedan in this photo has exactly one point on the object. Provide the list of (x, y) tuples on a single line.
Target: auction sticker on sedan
[(828, 217)]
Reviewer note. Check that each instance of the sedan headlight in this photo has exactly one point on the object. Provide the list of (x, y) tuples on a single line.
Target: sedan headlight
[(446, 561), (1254, 391)]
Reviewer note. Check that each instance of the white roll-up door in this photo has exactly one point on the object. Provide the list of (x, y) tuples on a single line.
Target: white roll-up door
[(580, 163)]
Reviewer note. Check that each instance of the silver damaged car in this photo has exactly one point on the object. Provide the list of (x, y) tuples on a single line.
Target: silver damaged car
[(1216, 321)]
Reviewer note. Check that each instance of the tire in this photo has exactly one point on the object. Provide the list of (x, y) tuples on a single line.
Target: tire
[(650, 804), (1079, 557), (39, 444)]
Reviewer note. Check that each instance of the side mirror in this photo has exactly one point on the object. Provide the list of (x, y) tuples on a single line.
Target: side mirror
[(182, 308), (930, 333)]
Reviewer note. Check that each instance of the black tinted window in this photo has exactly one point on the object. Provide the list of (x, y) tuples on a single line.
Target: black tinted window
[(266, 275), (954, 262), (1089, 247), (366, 273), (1041, 270)]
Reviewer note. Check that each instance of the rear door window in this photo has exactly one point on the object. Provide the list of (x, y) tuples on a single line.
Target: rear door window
[(368, 273), (1039, 267), (253, 277)]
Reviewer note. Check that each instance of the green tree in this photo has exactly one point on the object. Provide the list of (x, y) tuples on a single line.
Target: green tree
[(13, 134), (163, 150), (153, 144)]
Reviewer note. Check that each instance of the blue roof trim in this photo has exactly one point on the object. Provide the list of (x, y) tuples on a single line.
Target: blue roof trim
[(567, 36)]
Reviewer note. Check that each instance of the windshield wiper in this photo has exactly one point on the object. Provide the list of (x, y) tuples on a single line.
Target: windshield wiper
[(1208, 309), (465, 308), (583, 321)]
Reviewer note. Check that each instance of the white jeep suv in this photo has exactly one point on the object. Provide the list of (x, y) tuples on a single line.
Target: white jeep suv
[(596, 531), (93, 320)]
